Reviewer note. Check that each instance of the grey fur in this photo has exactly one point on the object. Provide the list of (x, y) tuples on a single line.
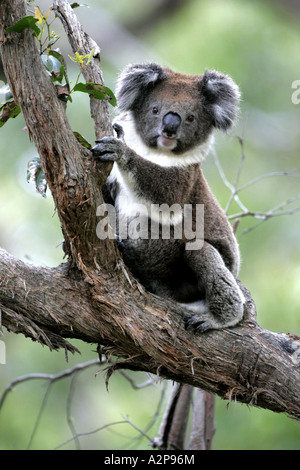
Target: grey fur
[(134, 79), (158, 162), (221, 95)]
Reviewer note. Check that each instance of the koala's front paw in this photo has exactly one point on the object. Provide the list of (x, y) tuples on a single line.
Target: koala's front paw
[(109, 149)]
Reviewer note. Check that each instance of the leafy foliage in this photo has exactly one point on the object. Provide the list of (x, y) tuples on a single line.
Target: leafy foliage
[(24, 23), (55, 65), (82, 140), (7, 111), (98, 91)]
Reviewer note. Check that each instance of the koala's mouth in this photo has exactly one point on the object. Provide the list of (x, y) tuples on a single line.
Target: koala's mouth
[(169, 143)]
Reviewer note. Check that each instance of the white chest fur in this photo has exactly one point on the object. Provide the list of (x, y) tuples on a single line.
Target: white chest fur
[(131, 205)]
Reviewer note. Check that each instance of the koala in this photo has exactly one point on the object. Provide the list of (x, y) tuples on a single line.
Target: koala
[(164, 132)]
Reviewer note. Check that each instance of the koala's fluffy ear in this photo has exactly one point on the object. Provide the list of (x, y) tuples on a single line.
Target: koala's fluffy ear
[(221, 98), (134, 80)]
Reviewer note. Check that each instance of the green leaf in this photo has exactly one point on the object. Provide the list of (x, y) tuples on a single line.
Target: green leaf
[(55, 65), (112, 98), (26, 22), (76, 5), (7, 111), (36, 175), (51, 63), (82, 140), (83, 60), (98, 91), (60, 58)]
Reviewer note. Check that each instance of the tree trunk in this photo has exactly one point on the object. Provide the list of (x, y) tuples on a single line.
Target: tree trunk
[(93, 297)]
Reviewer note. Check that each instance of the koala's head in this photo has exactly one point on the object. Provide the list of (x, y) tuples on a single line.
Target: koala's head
[(174, 111)]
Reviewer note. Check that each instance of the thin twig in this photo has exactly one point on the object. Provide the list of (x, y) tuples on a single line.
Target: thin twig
[(150, 381), (269, 175), (275, 211), (262, 215), (245, 212), (138, 429), (235, 189), (51, 377), (70, 420), (269, 215), (155, 416), (88, 433), (227, 183), (39, 416)]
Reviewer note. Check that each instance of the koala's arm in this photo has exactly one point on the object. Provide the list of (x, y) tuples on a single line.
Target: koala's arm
[(141, 174), (217, 230), (224, 299)]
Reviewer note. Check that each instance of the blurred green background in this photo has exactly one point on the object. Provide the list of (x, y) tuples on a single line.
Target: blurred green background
[(258, 44)]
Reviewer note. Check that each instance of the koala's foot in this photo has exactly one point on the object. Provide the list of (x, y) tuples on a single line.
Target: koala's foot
[(207, 321), (198, 319), (224, 299), (109, 149), (199, 322), (225, 308)]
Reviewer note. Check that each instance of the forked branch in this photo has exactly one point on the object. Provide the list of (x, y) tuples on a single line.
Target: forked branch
[(92, 299)]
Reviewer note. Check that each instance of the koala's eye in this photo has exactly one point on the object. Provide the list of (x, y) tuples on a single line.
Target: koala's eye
[(155, 110), (191, 118)]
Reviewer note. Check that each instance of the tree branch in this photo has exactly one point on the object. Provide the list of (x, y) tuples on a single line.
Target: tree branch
[(203, 423), (90, 298), (81, 42), (249, 364), (69, 169), (172, 432)]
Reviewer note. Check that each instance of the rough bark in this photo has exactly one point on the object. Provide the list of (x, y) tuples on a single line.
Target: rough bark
[(93, 297), (69, 170), (173, 428), (203, 423)]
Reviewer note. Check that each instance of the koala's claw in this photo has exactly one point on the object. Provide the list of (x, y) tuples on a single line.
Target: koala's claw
[(119, 130), (108, 148), (197, 324)]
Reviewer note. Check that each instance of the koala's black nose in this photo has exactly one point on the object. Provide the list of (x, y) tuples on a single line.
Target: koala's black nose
[(171, 123)]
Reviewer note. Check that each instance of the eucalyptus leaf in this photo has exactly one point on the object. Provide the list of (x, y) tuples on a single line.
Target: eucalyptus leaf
[(82, 140), (77, 5), (112, 98), (7, 111), (51, 63), (98, 91), (60, 58), (26, 22)]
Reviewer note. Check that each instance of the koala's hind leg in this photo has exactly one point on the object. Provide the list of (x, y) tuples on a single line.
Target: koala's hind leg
[(223, 298)]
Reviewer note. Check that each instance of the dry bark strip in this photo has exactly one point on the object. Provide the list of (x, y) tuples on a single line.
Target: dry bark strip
[(90, 297)]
